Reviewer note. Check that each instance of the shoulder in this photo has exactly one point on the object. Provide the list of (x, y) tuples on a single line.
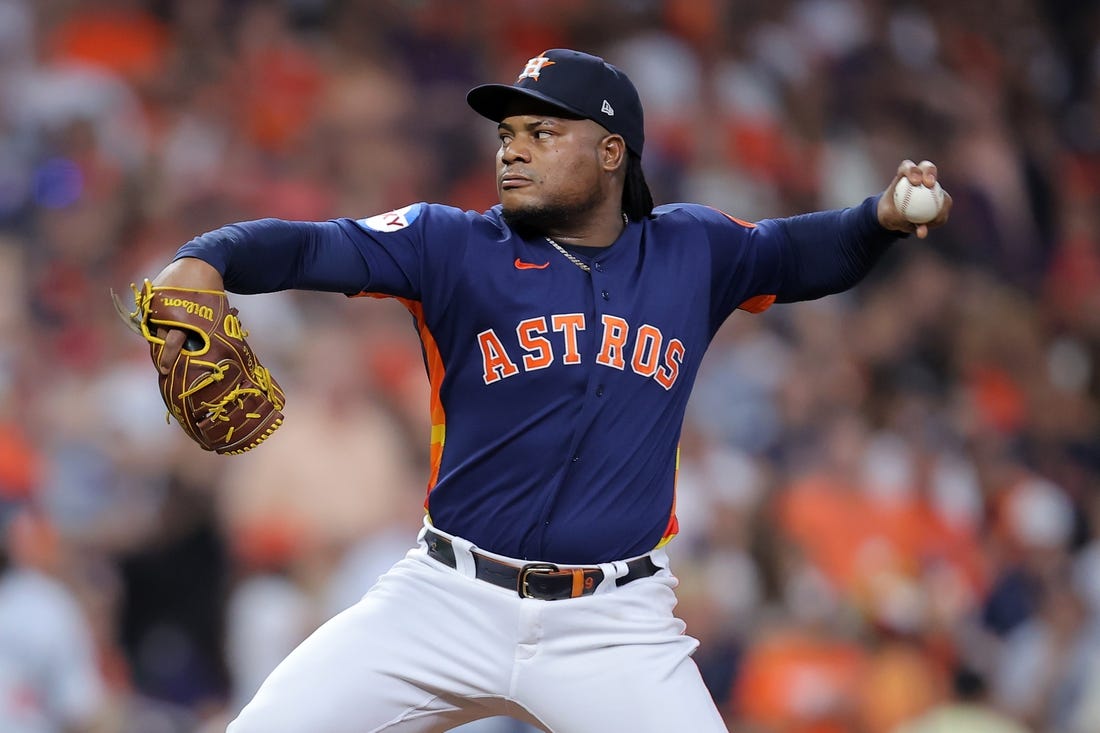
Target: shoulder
[(681, 213), (435, 219), (696, 224)]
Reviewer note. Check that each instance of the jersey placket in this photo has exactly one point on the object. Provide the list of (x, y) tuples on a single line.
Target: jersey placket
[(595, 393)]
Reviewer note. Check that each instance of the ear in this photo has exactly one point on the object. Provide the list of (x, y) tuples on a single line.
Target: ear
[(612, 152)]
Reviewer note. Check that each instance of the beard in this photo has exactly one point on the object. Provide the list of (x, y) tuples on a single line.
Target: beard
[(540, 219)]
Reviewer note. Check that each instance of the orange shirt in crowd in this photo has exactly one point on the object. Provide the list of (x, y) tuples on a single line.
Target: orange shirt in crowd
[(132, 43), (854, 539), (795, 681)]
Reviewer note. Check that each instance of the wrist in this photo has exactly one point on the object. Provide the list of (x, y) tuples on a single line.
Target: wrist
[(191, 273)]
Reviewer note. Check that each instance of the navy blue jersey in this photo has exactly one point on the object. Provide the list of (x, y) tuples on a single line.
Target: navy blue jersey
[(557, 394)]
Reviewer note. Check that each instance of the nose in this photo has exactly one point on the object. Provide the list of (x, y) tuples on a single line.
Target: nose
[(514, 151)]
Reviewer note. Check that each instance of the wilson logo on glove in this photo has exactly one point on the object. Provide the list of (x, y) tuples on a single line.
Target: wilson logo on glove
[(223, 398), (192, 308)]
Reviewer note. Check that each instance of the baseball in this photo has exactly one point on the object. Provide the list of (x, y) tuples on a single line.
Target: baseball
[(918, 204)]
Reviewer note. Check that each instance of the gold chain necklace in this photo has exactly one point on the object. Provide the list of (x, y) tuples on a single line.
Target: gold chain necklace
[(573, 258), (568, 255)]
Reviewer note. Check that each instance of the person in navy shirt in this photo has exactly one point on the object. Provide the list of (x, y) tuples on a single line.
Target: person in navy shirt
[(562, 330)]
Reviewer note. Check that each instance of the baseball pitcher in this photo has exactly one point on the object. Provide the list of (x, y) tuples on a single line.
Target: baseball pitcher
[(562, 330)]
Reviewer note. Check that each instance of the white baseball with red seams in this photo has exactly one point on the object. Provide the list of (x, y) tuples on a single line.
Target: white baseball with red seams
[(918, 204)]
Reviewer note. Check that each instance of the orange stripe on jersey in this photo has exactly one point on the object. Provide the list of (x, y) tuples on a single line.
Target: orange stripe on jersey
[(435, 379), (757, 303), (673, 527), (735, 220)]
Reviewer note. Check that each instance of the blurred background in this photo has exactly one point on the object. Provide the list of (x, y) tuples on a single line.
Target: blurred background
[(889, 499)]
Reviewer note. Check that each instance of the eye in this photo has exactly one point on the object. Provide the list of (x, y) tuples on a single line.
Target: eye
[(505, 139), (543, 135)]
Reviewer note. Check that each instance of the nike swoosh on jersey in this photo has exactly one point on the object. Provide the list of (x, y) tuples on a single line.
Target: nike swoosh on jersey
[(521, 265)]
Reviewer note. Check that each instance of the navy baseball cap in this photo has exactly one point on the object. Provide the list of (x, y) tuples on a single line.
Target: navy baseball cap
[(576, 82)]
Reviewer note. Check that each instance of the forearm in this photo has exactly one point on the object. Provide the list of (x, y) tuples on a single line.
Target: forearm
[(830, 251), (271, 254)]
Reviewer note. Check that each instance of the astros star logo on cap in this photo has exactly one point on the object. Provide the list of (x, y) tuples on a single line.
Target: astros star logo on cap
[(534, 67)]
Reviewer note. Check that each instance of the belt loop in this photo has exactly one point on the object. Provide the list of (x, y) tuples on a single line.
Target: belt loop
[(611, 571), (659, 558), (464, 559)]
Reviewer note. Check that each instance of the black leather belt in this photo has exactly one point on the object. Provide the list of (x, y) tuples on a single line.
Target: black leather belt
[(542, 580)]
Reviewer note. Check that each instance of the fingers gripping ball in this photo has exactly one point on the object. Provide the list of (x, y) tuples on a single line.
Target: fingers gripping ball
[(217, 390), (918, 204)]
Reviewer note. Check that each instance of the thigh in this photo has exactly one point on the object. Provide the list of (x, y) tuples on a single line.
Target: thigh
[(424, 650), (633, 697), (621, 662)]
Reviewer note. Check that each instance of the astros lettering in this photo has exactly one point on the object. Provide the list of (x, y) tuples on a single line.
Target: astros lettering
[(649, 354)]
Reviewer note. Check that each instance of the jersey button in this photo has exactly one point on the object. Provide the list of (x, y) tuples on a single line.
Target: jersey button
[(599, 391), (598, 266), (576, 458), (605, 295)]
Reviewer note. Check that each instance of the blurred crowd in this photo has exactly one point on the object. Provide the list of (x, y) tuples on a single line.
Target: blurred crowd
[(889, 499)]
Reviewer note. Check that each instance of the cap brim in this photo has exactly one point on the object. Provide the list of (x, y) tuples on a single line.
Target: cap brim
[(493, 100)]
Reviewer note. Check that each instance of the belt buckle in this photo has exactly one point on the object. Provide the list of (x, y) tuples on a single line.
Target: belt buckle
[(533, 567)]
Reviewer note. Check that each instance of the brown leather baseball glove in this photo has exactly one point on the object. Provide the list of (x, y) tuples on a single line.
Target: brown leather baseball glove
[(217, 390)]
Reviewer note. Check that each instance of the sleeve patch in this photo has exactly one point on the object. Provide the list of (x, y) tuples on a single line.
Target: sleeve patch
[(391, 221)]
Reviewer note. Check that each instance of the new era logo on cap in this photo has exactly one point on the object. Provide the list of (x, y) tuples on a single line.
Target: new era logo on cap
[(575, 82)]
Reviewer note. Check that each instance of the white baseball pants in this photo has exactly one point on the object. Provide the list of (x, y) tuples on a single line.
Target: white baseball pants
[(429, 648)]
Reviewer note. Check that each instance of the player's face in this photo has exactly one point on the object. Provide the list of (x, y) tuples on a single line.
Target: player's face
[(548, 168)]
